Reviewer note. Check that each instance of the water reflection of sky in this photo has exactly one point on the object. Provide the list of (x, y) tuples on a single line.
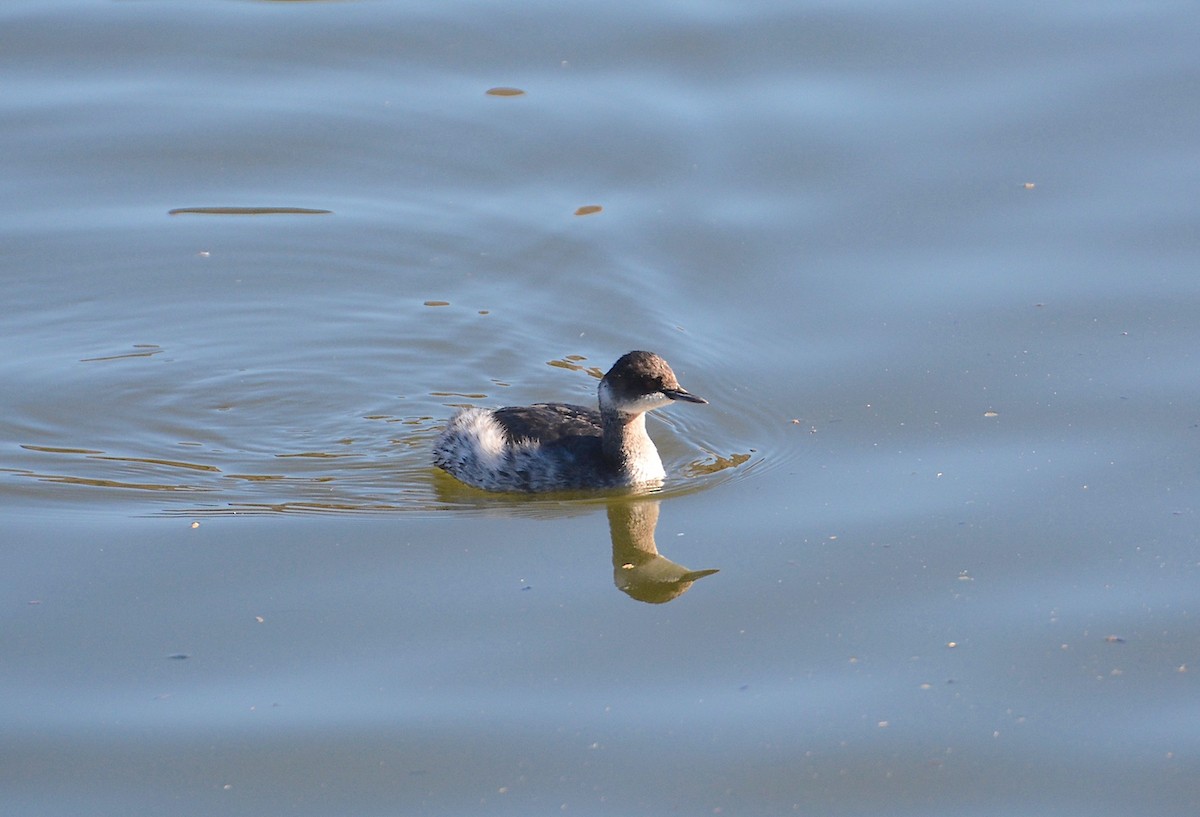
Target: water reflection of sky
[(933, 267)]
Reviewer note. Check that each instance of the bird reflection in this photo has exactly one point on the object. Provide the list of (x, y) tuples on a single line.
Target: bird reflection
[(639, 570)]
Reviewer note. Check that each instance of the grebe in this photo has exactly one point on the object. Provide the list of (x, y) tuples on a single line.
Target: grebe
[(562, 447)]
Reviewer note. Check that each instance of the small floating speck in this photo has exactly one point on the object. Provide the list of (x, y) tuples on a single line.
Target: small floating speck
[(588, 209), (248, 211), (567, 363), (437, 303), (1114, 639), (989, 413), (717, 463), (1029, 185), (179, 656), (503, 91)]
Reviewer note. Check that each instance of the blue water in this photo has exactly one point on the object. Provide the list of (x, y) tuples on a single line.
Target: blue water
[(933, 265)]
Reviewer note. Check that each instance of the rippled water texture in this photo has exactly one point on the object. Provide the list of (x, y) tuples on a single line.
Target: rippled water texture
[(930, 549)]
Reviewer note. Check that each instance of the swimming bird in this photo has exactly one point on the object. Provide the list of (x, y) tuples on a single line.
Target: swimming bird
[(560, 446)]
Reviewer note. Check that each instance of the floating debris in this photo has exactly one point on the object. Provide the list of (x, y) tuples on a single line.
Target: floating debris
[(247, 211)]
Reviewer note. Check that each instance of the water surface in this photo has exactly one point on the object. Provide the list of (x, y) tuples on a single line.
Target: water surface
[(933, 266)]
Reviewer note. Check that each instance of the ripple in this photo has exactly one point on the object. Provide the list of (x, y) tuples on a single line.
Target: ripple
[(378, 475), (267, 442)]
